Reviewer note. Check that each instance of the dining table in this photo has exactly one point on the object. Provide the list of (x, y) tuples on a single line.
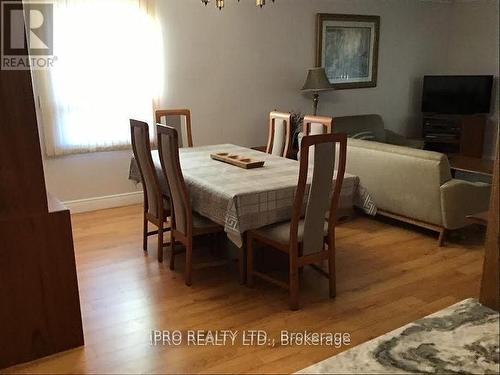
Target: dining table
[(243, 199)]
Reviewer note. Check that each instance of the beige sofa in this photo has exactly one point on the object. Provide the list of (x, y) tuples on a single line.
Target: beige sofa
[(415, 185)]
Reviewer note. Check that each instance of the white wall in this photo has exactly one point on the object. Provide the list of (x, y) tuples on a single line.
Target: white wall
[(82, 177), (91, 175), (232, 67), (473, 49)]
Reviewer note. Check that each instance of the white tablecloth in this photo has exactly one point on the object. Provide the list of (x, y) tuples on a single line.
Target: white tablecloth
[(242, 199)]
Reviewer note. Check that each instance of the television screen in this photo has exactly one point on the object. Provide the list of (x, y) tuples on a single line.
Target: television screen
[(457, 94)]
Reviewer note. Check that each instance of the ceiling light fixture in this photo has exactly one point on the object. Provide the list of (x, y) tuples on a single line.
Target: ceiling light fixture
[(220, 3)]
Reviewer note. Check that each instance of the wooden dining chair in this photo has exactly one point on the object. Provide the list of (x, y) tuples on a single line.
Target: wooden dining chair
[(278, 141), (186, 224), (317, 125), (305, 239), (156, 204), (180, 113), (313, 125)]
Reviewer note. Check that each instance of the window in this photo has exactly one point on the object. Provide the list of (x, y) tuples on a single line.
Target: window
[(108, 70)]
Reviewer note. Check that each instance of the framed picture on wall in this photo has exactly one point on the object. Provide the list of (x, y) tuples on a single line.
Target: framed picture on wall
[(347, 47)]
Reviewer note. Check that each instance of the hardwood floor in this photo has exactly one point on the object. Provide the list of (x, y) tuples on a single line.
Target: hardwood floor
[(388, 275)]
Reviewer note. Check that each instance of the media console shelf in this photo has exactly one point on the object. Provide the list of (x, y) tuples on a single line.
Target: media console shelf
[(454, 134)]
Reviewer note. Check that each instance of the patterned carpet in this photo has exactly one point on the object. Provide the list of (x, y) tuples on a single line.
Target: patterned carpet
[(463, 338)]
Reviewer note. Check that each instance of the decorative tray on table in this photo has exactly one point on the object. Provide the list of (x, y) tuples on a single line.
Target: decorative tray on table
[(237, 160)]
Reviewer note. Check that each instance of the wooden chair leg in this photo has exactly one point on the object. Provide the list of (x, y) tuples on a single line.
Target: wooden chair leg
[(218, 242), (301, 252), (160, 242), (331, 272), (145, 234), (213, 243), (189, 263), (243, 260), (294, 283), (442, 237), (249, 260), (294, 288), (172, 250)]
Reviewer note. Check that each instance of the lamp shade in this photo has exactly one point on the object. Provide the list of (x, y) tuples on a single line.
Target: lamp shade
[(317, 80)]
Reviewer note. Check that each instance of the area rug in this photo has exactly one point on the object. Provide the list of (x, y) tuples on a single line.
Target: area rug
[(463, 338)]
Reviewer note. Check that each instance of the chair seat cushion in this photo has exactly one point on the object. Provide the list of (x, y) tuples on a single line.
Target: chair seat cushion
[(202, 223), (280, 232)]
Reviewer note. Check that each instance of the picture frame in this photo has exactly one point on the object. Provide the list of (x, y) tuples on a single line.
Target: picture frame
[(347, 47)]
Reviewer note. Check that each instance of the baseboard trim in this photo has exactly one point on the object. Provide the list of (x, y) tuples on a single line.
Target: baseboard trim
[(101, 203)]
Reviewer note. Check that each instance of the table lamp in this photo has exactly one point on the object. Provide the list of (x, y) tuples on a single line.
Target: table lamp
[(316, 81)]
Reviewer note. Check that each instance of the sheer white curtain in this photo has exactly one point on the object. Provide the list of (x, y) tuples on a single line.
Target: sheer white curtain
[(108, 70)]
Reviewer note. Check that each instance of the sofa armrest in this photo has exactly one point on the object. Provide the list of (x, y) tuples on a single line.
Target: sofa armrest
[(461, 198), (397, 139)]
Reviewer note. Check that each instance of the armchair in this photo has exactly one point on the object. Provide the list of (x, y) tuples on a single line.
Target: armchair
[(460, 198)]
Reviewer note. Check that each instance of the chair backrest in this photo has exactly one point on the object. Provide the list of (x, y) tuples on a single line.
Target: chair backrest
[(278, 141), (175, 121), (141, 146), (321, 197), (313, 125), (168, 148), (317, 125)]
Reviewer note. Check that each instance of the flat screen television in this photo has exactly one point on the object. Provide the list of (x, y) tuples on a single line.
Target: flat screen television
[(457, 94)]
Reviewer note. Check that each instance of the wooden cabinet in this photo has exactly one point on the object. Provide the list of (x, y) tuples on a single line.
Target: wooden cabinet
[(490, 285), (39, 302), (455, 134)]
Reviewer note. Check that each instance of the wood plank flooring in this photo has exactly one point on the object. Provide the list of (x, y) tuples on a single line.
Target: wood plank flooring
[(387, 275)]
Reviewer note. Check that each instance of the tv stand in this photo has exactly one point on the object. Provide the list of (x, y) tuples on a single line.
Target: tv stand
[(454, 134)]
